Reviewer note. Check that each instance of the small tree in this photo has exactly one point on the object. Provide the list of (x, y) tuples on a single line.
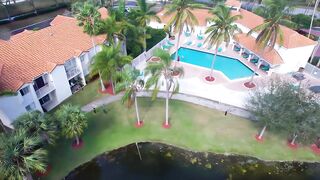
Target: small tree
[(20, 155), (37, 124), (163, 69), (73, 121), (131, 82), (285, 108)]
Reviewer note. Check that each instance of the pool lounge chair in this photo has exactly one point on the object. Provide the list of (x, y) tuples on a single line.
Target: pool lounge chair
[(187, 34), (265, 67), (254, 61), (245, 55), (199, 44), (199, 36), (236, 48), (188, 43), (170, 43), (166, 47)]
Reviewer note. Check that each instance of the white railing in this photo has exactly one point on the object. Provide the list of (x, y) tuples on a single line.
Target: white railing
[(45, 90), (72, 72), (313, 70), (147, 55)]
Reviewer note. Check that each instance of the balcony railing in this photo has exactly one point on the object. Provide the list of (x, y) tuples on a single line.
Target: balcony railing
[(45, 90), (72, 72)]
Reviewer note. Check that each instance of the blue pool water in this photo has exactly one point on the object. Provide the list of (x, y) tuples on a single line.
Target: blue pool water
[(232, 68)]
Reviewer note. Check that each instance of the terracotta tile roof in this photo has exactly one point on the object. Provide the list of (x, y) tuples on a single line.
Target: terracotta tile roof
[(292, 39), (233, 3), (249, 43), (201, 14), (32, 53)]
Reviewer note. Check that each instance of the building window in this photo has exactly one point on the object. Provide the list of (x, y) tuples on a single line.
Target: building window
[(45, 99), (24, 91), (31, 107)]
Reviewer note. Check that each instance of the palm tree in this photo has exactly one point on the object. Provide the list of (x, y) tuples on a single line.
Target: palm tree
[(131, 82), (223, 29), (163, 69), (37, 124), (144, 14), (114, 30), (314, 11), (108, 61), (73, 121), (88, 17), (269, 34), (182, 17), (20, 155)]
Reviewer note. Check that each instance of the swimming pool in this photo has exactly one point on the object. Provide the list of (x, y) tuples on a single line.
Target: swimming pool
[(232, 68)]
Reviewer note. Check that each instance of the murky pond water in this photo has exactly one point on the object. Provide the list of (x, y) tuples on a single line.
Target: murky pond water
[(161, 161)]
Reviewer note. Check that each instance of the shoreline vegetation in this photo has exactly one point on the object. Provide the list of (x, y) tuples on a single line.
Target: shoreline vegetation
[(112, 127)]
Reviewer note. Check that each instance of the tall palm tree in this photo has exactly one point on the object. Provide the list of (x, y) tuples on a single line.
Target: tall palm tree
[(108, 61), (114, 29), (37, 124), (20, 155), (182, 17), (73, 121), (131, 82), (223, 29), (163, 69), (314, 11), (88, 17), (270, 33), (144, 14)]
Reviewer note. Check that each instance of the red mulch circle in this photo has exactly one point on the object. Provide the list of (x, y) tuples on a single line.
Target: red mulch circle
[(77, 146), (138, 125), (46, 173), (155, 59), (292, 146), (175, 73), (172, 38), (315, 149), (108, 89), (249, 85), (259, 139), (166, 126), (209, 78)]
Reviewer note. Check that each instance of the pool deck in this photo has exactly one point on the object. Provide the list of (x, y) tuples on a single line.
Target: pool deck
[(223, 90)]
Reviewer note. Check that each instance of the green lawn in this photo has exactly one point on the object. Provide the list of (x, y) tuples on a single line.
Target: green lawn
[(193, 127), (85, 96)]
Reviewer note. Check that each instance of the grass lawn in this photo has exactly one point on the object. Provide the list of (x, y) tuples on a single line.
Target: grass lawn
[(193, 127), (85, 96)]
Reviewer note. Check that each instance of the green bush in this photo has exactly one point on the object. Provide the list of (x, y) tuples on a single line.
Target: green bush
[(156, 36)]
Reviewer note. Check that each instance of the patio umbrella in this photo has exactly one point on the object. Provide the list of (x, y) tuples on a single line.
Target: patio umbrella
[(315, 89)]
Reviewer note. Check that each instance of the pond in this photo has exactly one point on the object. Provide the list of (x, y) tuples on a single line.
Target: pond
[(160, 161)]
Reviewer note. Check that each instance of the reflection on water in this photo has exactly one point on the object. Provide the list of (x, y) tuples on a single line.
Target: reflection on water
[(161, 161)]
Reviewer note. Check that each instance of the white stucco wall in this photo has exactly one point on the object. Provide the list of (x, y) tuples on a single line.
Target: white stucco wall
[(293, 58), (60, 81), (11, 107)]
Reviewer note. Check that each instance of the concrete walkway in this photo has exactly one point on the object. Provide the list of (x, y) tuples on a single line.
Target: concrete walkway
[(241, 112)]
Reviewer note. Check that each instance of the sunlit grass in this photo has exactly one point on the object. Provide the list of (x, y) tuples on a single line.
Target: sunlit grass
[(193, 127)]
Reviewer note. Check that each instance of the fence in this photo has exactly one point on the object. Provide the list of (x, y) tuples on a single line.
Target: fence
[(147, 55), (313, 70)]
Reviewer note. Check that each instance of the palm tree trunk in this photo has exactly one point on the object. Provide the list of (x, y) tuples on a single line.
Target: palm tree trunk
[(29, 175), (137, 110), (294, 139), (77, 140), (314, 12), (103, 88), (177, 46), (167, 103), (213, 61), (112, 85), (145, 39), (34, 7), (262, 132), (307, 9)]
